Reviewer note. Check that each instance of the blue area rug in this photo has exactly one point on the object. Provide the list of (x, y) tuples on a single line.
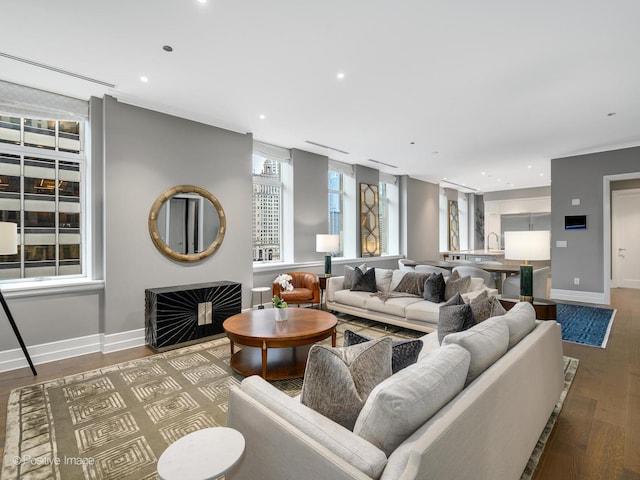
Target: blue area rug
[(585, 325)]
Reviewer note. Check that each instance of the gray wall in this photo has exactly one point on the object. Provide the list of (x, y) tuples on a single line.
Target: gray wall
[(582, 177), (311, 204), (146, 153), (518, 193), (422, 227)]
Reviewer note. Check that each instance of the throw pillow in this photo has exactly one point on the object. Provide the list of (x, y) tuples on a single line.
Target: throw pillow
[(348, 275), (337, 381), (396, 277), (434, 288), (364, 282), (412, 283), (404, 352), (402, 403), (383, 279), (484, 307), (486, 342), (456, 284), (454, 318)]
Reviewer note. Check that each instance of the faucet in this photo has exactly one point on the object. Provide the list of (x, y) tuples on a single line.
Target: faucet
[(489, 241)]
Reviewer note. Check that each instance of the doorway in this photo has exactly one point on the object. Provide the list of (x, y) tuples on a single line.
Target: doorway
[(625, 231)]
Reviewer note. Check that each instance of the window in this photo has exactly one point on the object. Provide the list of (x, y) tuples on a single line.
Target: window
[(336, 206), (389, 215), (42, 165), (269, 184)]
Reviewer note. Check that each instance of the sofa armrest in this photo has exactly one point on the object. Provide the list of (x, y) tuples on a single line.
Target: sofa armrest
[(333, 285), (289, 440)]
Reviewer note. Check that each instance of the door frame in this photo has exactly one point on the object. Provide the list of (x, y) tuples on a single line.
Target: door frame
[(606, 230)]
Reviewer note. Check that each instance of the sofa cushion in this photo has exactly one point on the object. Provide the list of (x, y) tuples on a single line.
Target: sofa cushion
[(483, 306), (434, 287), (392, 306), (348, 274), (353, 299), (404, 352), (337, 381), (355, 450), (486, 342), (456, 284), (454, 318), (423, 311), (364, 282), (405, 401), (521, 320), (383, 279), (396, 276)]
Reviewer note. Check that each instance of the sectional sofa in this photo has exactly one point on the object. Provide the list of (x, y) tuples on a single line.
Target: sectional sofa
[(473, 407), (409, 312)]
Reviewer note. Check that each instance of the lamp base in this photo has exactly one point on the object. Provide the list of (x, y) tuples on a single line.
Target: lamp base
[(327, 264), (526, 283)]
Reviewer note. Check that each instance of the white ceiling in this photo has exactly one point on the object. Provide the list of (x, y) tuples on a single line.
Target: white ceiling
[(493, 86)]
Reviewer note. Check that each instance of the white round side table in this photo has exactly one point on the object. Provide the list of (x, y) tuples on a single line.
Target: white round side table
[(260, 290), (201, 455)]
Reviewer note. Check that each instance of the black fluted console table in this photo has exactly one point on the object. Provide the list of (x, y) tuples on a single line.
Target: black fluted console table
[(187, 313)]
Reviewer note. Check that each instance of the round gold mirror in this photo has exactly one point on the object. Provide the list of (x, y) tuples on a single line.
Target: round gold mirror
[(187, 223)]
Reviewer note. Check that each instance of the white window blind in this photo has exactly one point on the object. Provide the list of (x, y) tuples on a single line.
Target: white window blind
[(19, 100)]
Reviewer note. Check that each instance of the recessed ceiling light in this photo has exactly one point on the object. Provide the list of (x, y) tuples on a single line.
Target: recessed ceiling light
[(542, 174), (529, 166), (444, 178), (144, 79), (484, 173), (202, 1), (499, 179), (262, 116), (340, 75), (167, 48)]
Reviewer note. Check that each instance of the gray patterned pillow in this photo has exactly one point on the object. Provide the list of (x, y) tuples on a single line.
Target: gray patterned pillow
[(337, 381), (404, 352), (434, 288), (454, 318), (456, 284), (348, 275), (484, 306)]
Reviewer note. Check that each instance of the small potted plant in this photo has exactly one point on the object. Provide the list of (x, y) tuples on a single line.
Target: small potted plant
[(279, 304)]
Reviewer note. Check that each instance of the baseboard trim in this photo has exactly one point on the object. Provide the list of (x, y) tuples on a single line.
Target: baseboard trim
[(576, 296), (122, 341), (73, 347)]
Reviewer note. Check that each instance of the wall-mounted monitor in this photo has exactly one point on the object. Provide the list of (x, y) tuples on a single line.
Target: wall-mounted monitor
[(575, 222)]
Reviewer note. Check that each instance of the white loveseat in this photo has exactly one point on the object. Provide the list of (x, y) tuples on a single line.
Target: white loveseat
[(486, 430), (409, 312)]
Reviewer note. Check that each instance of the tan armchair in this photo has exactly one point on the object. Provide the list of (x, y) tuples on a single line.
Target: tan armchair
[(306, 289)]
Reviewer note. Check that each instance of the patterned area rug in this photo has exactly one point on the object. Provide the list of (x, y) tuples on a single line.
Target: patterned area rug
[(115, 422), (585, 325)]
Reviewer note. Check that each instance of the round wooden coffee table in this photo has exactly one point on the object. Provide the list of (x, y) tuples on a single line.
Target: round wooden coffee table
[(277, 350)]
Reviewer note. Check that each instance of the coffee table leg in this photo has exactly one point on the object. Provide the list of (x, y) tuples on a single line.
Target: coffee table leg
[(231, 346), (333, 338), (264, 359)]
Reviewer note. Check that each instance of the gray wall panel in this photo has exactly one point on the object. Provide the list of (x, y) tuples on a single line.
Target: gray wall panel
[(311, 203), (582, 177), (423, 210)]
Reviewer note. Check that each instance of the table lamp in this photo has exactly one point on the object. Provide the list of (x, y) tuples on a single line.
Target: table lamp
[(529, 246), (9, 246), (327, 244)]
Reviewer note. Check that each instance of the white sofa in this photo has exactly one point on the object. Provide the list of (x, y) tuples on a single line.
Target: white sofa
[(409, 312), (486, 431)]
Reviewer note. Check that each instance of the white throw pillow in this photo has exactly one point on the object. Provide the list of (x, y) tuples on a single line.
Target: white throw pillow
[(399, 405), (486, 342), (521, 320), (383, 279)]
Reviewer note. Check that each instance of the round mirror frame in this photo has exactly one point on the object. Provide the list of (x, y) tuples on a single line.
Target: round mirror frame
[(157, 238)]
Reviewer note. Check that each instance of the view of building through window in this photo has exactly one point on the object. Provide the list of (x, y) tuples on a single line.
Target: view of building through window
[(336, 206), (40, 191), (266, 209)]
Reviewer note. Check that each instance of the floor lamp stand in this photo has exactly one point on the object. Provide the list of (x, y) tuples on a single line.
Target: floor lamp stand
[(17, 332)]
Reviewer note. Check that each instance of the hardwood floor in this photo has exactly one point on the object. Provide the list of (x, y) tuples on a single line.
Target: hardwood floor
[(596, 437)]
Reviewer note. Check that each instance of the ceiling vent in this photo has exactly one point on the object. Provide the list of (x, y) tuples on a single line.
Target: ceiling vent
[(56, 69), (462, 187), (326, 146), (382, 163)]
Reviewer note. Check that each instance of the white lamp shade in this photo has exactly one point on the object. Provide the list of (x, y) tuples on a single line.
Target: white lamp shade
[(327, 243), (8, 238), (528, 245)]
